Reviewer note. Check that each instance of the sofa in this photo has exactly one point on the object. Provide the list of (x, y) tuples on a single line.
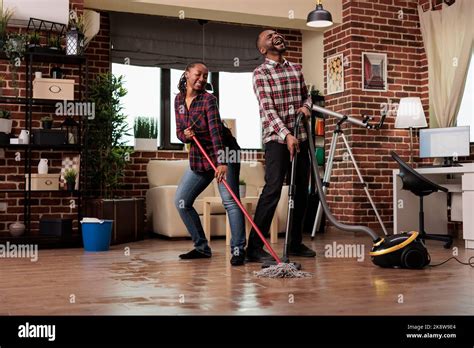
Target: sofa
[(162, 215)]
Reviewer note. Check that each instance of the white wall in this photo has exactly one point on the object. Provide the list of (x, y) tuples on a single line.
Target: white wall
[(51, 10), (313, 59)]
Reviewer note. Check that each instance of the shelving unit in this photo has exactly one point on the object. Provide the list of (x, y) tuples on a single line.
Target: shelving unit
[(32, 60)]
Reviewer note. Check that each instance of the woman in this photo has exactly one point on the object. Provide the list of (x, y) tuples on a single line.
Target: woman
[(197, 115)]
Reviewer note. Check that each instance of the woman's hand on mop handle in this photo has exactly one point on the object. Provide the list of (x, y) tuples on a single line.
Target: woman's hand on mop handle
[(189, 133), (292, 144), (221, 173)]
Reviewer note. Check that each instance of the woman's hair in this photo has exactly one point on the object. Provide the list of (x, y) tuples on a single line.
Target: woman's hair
[(182, 79)]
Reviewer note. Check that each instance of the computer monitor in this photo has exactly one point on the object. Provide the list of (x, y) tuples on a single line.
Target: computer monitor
[(449, 143)]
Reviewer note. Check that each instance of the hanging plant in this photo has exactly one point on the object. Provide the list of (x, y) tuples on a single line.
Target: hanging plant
[(15, 49), (5, 16)]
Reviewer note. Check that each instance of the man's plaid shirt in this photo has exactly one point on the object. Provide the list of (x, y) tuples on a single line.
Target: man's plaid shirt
[(203, 117), (281, 91)]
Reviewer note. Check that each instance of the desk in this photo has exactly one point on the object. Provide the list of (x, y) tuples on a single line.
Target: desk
[(406, 204), (247, 202)]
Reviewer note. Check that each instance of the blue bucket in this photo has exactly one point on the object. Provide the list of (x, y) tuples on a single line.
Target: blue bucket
[(96, 235)]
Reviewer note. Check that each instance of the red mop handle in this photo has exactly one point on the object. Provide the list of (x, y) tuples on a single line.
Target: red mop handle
[(260, 234)]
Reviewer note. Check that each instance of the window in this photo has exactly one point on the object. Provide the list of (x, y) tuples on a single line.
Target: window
[(174, 79), (466, 111), (143, 85), (237, 101), (149, 89)]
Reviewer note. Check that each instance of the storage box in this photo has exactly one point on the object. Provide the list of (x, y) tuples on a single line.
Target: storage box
[(49, 137), (55, 227), (61, 89), (43, 182), (16, 141), (128, 216)]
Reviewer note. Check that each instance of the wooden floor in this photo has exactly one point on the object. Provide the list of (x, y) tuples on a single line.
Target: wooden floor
[(153, 281)]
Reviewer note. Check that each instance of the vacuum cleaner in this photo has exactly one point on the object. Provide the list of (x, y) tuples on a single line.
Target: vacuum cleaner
[(404, 250)]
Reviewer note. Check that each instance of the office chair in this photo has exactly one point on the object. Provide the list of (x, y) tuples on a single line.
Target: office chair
[(421, 186)]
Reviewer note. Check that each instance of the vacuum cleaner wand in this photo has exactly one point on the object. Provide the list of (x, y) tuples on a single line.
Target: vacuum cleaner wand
[(314, 164)]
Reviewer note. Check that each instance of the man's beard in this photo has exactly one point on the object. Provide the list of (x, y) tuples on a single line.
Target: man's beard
[(277, 49)]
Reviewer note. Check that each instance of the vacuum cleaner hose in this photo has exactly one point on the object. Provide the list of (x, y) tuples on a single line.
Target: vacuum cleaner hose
[(322, 198)]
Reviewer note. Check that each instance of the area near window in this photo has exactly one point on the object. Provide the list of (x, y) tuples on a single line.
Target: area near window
[(144, 94), (238, 101)]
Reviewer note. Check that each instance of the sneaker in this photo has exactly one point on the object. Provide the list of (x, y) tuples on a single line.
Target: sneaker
[(302, 250), (258, 255), (238, 260), (194, 254)]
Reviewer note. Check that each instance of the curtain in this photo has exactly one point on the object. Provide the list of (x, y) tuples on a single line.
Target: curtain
[(173, 43), (448, 36)]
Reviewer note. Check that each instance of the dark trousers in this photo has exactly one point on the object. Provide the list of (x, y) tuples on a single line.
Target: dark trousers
[(277, 165)]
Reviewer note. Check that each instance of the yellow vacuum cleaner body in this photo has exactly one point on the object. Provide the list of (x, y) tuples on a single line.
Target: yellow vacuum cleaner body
[(404, 250)]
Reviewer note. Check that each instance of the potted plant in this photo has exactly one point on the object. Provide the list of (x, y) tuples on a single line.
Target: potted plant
[(70, 177), (107, 157), (47, 122), (146, 133), (5, 121), (5, 17), (242, 188), (54, 43), (15, 48), (34, 40)]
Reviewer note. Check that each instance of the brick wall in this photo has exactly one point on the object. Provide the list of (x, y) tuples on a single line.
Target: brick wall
[(373, 26), (57, 204), (381, 26)]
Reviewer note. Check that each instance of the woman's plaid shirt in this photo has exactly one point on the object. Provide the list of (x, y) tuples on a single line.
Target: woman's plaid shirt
[(203, 117), (281, 91)]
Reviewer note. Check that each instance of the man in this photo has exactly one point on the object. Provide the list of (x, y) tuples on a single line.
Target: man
[(282, 94)]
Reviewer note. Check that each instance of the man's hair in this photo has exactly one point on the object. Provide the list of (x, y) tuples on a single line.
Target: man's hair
[(257, 42)]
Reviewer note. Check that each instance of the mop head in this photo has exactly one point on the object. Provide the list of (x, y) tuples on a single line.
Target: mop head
[(282, 270)]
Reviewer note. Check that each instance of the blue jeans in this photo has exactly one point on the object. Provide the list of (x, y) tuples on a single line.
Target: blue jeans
[(191, 185)]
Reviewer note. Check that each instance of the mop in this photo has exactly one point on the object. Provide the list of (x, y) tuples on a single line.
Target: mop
[(281, 269)]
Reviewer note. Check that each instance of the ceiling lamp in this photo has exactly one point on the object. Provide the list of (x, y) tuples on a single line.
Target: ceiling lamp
[(319, 18)]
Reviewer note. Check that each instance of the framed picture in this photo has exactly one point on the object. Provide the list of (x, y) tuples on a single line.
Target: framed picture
[(335, 74), (374, 71)]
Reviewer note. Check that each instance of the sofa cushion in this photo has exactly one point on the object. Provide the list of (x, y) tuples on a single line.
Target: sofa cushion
[(161, 172)]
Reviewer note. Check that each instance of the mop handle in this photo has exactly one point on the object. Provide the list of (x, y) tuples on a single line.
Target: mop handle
[(260, 234)]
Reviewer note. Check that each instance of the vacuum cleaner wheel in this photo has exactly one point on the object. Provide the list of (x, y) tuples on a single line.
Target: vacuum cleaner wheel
[(415, 257)]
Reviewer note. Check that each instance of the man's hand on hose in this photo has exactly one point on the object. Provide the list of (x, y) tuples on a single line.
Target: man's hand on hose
[(304, 110), (292, 144)]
